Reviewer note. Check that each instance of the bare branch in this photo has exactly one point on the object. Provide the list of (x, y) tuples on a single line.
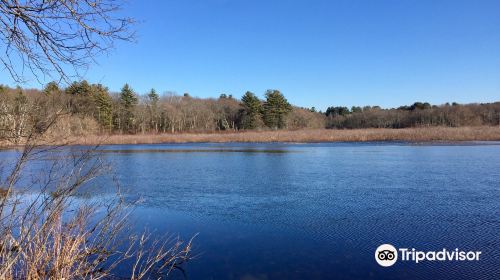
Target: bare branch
[(58, 38)]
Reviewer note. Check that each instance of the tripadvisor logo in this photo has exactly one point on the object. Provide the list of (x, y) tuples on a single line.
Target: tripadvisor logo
[(387, 255)]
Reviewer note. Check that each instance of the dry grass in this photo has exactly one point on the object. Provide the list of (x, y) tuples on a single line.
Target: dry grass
[(314, 135)]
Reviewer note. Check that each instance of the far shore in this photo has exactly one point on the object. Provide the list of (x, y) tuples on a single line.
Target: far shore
[(423, 134)]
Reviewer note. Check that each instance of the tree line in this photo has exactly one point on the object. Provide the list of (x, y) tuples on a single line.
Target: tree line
[(91, 108), (416, 115)]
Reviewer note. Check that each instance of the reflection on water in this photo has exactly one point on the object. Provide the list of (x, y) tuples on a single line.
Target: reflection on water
[(136, 151), (316, 211)]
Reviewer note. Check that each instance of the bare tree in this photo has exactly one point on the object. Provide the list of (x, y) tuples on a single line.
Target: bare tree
[(58, 38)]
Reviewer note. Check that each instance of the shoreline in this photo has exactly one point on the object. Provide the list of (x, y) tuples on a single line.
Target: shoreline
[(411, 135), (426, 134)]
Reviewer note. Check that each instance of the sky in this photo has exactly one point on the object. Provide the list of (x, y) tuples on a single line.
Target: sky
[(318, 53)]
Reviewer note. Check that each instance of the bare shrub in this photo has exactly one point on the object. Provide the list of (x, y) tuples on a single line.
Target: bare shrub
[(50, 231), (301, 118)]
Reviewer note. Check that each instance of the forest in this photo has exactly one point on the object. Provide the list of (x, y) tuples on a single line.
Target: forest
[(84, 108)]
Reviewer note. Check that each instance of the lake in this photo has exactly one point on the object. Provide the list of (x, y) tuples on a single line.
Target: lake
[(318, 211)]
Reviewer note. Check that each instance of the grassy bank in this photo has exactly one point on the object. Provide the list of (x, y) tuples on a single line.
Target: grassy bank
[(314, 135)]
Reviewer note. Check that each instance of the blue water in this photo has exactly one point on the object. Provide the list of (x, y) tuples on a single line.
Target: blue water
[(317, 211)]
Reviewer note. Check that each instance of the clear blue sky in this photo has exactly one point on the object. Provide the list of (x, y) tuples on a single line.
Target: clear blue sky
[(318, 53)]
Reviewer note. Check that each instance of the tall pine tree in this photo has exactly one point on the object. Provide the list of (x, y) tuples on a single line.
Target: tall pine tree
[(104, 106), (275, 110), (253, 107), (128, 100)]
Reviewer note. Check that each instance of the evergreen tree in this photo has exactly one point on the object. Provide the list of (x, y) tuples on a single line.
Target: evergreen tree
[(153, 99), (337, 111), (356, 109), (104, 106), (82, 88), (252, 107), (51, 88), (82, 101), (153, 96), (275, 109), (128, 100)]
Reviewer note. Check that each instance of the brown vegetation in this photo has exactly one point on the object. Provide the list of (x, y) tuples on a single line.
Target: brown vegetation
[(426, 134), (86, 114), (85, 110)]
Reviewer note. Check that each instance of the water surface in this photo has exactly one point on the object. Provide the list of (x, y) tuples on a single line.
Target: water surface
[(317, 211)]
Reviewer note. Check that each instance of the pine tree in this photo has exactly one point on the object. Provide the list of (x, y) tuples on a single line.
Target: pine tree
[(81, 101), (153, 99), (153, 96), (51, 88), (104, 106), (252, 107), (275, 109), (128, 100), (82, 88)]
